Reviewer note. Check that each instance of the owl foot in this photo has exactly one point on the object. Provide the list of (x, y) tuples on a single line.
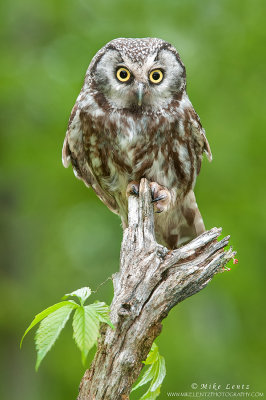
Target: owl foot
[(160, 197), (132, 189)]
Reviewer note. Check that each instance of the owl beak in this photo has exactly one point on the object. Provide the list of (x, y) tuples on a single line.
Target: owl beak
[(140, 93)]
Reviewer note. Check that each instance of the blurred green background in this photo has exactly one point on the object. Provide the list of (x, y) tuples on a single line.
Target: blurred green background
[(56, 235)]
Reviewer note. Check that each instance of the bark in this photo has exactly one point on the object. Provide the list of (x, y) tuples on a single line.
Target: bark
[(152, 280)]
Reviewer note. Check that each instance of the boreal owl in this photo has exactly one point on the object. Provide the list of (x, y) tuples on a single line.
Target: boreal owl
[(133, 119)]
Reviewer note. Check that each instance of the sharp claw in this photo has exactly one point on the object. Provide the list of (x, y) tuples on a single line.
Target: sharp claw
[(158, 198), (134, 190)]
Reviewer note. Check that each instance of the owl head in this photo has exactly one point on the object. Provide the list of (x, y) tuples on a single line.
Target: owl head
[(137, 74)]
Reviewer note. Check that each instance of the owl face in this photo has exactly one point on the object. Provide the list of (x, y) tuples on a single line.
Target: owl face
[(138, 73)]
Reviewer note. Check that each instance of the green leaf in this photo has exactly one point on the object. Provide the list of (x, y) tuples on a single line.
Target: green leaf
[(153, 355), (86, 323), (85, 329), (102, 311), (146, 377), (39, 317), (155, 373), (49, 330), (151, 395), (160, 374), (82, 294)]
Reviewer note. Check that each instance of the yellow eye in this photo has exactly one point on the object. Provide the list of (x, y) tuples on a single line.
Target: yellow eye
[(123, 74), (156, 76)]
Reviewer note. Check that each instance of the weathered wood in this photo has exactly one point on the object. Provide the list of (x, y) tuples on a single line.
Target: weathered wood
[(151, 281)]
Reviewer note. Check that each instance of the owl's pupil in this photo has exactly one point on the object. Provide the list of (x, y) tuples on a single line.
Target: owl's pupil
[(123, 74), (156, 76)]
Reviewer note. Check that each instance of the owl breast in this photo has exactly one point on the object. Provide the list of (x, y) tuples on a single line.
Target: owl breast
[(123, 147)]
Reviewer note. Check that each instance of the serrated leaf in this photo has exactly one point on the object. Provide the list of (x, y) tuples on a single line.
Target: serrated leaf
[(39, 317), (49, 330), (82, 294), (155, 373), (85, 329), (146, 377), (160, 374), (102, 311)]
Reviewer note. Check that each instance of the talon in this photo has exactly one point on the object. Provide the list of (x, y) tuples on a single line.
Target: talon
[(160, 197), (132, 189)]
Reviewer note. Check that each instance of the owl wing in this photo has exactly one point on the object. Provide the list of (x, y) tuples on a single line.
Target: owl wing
[(74, 153), (73, 150), (73, 146), (192, 223), (199, 135), (206, 146)]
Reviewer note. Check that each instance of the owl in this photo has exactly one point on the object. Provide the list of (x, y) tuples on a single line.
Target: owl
[(133, 119)]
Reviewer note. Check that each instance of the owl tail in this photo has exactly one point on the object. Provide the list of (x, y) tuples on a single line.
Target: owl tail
[(192, 224), (182, 224)]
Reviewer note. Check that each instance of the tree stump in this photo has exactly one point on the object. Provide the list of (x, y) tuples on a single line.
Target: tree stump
[(151, 281)]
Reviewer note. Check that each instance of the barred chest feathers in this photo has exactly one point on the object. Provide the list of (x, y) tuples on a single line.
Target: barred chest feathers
[(122, 147)]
